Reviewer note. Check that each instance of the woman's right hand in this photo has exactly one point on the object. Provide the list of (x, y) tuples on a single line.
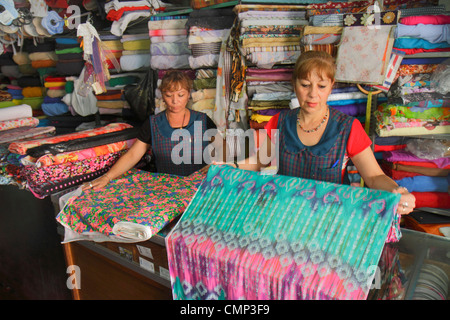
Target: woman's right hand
[(96, 184)]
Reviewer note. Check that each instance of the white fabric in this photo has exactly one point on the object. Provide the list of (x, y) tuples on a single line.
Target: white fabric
[(16, 112)]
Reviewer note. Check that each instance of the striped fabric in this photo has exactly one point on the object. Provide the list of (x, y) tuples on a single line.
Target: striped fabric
[(247, 235)]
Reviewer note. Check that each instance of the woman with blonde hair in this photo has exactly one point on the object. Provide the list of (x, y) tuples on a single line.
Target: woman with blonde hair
[(162, 134), (315, 141)]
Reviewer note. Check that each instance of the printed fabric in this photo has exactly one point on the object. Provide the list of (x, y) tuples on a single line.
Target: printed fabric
[(139, 197), (247, 235), (373, 45)]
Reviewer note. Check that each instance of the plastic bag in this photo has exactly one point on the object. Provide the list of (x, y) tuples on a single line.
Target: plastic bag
[(141, 96), (440, 79), (429, 149)]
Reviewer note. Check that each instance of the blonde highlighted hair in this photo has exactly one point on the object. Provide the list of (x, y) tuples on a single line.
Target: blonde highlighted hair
[(314, 61)]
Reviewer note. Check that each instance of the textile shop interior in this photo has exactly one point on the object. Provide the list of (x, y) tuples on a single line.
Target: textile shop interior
[(80, 78)]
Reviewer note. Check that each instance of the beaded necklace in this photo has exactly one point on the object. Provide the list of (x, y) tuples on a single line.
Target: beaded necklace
[(316, 128)]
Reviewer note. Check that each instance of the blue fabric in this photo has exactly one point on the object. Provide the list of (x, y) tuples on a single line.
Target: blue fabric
[(413, 43), (424, 184)]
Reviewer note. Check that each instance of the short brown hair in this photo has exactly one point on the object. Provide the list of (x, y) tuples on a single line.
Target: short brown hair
[(173, 80), (319, 61)]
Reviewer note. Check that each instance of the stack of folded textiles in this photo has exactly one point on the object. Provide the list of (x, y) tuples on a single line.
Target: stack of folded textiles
[(423, 34), (42, 55), (112, 101), (136, 52), (208, 28), (423, 167), (169, 46), (270, 91), (113, 49), (53, 104), (204, 94), (70, 56), (32, 93), (123, 12), (56, 163), (23, 61), (269, 37)]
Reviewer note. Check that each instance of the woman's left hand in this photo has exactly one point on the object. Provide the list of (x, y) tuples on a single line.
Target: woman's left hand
[(407, 201)]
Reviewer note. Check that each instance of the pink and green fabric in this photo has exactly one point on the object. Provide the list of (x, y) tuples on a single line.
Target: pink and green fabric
[(252, 236), (140, 197)]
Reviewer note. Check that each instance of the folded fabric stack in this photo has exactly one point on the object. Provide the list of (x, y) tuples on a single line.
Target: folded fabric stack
[(169, 46), (270, 91), (56, 163), (136, 52), (131, 208), (423, 173), (53, 104), (204, 94), (32, 93), (289, 243), (270, 37), (112, 101), (8, 65), (208, 28), (113, 49), (122, 13), (23, 61), (423, 34), (70, 56)]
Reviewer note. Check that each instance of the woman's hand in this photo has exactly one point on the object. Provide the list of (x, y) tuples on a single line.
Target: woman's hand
[(407, 201), (97, 183)]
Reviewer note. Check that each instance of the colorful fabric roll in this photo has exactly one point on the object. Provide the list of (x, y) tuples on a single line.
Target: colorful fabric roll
[(22, 147), (291, 241), (141, 198)]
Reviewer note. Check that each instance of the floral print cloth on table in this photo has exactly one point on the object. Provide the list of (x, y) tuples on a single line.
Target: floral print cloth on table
[(247, 235), (139, 197)]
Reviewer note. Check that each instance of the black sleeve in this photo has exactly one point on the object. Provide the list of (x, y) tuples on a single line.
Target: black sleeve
[(145, 133), (210, 124)]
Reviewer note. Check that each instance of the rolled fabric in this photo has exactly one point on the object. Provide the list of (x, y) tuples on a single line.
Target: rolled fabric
[(43, 63), (21, 58), (16, 123), (54, 109), (134, 62), (16, 112), (29, 92), (47, 55)]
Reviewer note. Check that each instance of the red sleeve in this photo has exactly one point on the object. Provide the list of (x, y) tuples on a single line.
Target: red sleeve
[(358, 139), (272, 124)]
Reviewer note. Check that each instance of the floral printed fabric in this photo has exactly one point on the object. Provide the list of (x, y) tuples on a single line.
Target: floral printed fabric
[(373, 45), (253, 236), (50, 179), (139, 197), (17, 123)]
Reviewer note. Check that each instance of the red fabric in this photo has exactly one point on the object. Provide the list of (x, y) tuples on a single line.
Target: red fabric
[(432, 199), (421, 50), (379, 148), (420, 164), (357, 141), (430, 19), (114, 15)]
